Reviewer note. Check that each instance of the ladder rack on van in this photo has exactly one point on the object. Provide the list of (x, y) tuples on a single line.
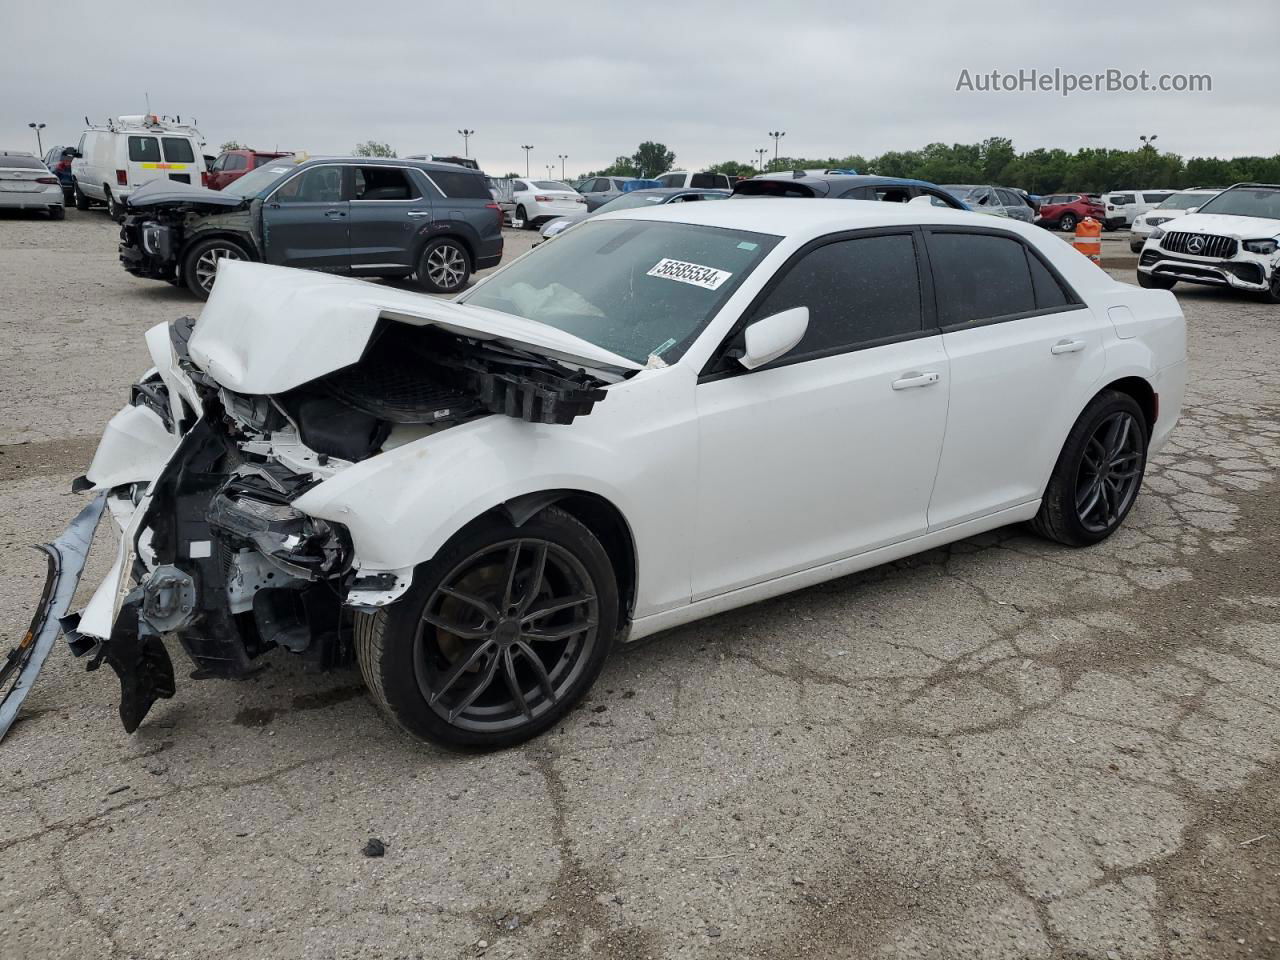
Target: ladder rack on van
[(146, 123)]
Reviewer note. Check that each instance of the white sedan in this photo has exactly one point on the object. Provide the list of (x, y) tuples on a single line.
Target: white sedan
[(537, 201), (27, 184), (665, 413)]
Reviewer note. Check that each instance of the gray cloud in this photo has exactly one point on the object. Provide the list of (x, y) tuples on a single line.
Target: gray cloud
[(591, 81)]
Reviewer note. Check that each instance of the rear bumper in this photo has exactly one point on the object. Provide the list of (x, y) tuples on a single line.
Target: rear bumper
[(50, 196)]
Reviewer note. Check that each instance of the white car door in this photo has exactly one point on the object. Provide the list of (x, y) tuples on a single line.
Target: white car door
[(830, 450), (1025, 356)]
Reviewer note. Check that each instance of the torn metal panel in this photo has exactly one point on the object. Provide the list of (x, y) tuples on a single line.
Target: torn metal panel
[(67, 557)]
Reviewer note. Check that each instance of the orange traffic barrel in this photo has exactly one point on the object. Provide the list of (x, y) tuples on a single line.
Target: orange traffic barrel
[(1088, 239)]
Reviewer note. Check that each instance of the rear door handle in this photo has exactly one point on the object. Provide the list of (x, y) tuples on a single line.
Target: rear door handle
[(335, 214), (418, 213), (928, 378), (1067, 346)]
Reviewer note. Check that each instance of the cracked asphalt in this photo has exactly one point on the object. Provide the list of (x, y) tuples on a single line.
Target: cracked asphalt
[(1004, 749)]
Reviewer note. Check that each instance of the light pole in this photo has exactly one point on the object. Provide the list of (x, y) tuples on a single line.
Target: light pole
[(526, 148), (1148, 148), (37, 127), (760, 152), (551, 169), (563, 157), (777, 135), (466, 138)]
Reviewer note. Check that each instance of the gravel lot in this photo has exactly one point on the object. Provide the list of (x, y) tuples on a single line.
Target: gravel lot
[(1005, 749)]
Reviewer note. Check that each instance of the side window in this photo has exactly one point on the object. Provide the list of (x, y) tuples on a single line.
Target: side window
[(383, 183), (893, 194), (465, 185), (858, 291), (857, 193), (671, 179), (317, 185), (1049, 292), (702, 181), (217, 164), (1121, 199), (519, 185), (237, 162), (1155, 197), (80, 148), (979, 277), (178, 150), (144, 150)]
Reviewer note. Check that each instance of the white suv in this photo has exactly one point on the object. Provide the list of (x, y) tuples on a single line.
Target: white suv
[(1178, 205), (1233, 240), (1124, 206), (113, 160), (698, 181)]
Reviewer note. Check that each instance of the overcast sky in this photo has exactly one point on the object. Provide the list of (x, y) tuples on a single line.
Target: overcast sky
[(708, 79)]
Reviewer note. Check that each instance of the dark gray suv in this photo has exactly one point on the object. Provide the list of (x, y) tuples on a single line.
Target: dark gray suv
[(359, 216)]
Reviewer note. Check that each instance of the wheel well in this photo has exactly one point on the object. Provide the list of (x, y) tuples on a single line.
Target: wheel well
[(605, 522), (1142, 393)]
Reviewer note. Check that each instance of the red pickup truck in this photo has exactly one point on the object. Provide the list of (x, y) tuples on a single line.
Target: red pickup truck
[(234, 164)]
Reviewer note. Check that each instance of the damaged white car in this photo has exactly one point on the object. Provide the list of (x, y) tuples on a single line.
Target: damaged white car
[(657, 416)]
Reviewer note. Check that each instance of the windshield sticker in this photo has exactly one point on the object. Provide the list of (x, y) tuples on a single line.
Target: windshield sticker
[(709, 278), (279, 169), (747, 245)]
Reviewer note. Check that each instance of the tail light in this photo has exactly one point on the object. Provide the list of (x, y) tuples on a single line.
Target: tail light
[(46, 179), (122, 178), (543, 199), (496, 209), (64, 165)]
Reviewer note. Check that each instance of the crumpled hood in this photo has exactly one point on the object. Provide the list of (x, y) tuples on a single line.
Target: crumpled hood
[(269, 329), (159, 193), (1242, 228)]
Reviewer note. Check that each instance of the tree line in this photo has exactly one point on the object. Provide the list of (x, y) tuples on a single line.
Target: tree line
[(995, 161)]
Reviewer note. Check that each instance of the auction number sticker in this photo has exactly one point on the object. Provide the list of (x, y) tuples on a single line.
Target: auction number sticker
[(709, 278)]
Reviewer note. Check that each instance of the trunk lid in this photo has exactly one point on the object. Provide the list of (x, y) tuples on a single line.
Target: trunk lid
[(268, 329)]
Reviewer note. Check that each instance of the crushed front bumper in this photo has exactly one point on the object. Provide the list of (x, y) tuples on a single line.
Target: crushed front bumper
[(1245, 272), (66, 557)]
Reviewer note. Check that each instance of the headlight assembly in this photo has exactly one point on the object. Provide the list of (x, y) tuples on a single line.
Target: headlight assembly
[(1264, 247)]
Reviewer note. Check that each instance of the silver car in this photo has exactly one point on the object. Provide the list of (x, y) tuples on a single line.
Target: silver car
[(27, 184), (1000, 201), (632, 200)]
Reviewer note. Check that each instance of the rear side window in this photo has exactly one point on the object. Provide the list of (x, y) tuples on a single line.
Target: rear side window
[(178, 150), (461, 185), (1048, 291), (1120, 199), (979, 277), (144, 149), (671, 180), (1155, 197), (858, 291), (702, 181), (384, 183)]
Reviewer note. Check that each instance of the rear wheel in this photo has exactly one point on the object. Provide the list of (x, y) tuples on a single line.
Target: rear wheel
[(200, 265), (1067, 222), (502, 632), (1151, 281), (1098, 474), (444, 266), (521, 215), (1272, 293), (82, 202)]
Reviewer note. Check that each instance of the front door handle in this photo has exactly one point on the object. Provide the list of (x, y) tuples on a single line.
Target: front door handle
[(335, 214), (1067, 346), (926, 379), (418, 213)]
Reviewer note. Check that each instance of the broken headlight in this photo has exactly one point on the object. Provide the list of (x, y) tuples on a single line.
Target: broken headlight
[(1265, 247), (297, 544)]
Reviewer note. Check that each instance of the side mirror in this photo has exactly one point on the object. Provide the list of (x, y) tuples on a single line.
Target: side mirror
[(769, 338)]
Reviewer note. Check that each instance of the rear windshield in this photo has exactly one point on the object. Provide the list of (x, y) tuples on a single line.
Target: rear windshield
[(465, 185), (178, 150), (21, 163), (144, 149), (772, 188), (551, 185)]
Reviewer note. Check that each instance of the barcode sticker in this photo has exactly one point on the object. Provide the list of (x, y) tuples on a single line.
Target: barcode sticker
[(709, 278)]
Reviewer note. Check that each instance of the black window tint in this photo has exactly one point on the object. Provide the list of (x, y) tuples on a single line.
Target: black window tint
[(1048, 290), (237, 161), (979, 276), (468, 185), (1121, 199), (702, 180), (317, 185), (384, 183), (893, 194), (144, 149), (178, 150), (856, 290)]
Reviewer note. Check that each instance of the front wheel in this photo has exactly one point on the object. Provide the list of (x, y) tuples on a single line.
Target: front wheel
[(1150, 281), (521, 215), (115, 209), (82, 202), (501, 633), (1067, 223), (1098, 474), (200, 265), (1272, 293), (1136, 245), (444, 267)]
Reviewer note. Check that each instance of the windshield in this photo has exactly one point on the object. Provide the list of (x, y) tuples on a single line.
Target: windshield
[(1246, 202), (1184, 201), (256, 181), (639, 288), (552, 185), (630, 201), (962, 192)]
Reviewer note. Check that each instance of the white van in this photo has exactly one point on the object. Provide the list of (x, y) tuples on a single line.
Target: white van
[(686, 179), (1122, 206), (113, 160)]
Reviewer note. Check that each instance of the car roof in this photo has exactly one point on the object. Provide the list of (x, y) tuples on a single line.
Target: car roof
[(846, 180), (804, 216)]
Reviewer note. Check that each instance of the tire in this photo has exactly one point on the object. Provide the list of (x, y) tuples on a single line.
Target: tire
[(1136, 246), (1272, 293), (114, 210), (1098, 474), (444, 267), (200, 265), (484, 690), (1067, 222), (57, 213), (1149, 281), (82, 202), (524, 217)]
